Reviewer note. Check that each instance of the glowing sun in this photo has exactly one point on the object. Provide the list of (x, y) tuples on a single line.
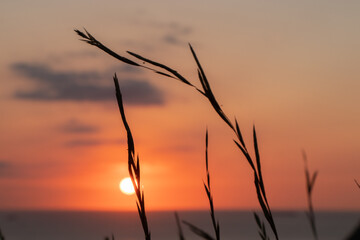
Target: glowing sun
[(126, 186)]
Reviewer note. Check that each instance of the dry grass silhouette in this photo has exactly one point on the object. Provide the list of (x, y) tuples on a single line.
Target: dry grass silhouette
[(261, 226), (253, 161), (206, 91), (207, 186), (198, 231), (134, 167), (178, 224), (1, 236), (310, 182)]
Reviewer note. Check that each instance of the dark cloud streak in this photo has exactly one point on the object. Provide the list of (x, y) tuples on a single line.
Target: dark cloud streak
[(175, 33), (6, 169), (92, 142), (51, 85), (30, 171), (74, 126)]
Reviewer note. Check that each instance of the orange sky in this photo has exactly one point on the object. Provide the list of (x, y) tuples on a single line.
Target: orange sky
[(291, 68)]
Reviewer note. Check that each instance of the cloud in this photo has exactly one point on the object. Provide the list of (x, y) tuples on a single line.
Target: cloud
[(4, 164), (179, 29), (30, 171), (70, 56), (172, 33), (175, 33), (81, 54), (74, 126), (141, 93), (51, 85), (10, 170), (92, 142), (125, 69), (172, 39), (6, 169)]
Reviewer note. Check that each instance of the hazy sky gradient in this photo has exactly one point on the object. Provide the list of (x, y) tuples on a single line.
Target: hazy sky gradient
[(289, 67)]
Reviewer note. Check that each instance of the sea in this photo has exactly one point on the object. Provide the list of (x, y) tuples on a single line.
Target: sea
[(96, 225)]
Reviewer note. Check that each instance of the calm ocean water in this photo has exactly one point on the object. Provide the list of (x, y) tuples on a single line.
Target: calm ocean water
[(49, 225)]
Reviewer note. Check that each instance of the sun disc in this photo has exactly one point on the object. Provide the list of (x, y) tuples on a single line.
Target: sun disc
[(126, 186)]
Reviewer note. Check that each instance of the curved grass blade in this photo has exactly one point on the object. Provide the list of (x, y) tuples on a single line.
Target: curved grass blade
[(208, 92), (106, 238), (93, 41), (198, 231), (1, 236), (246, 154), (172, 71), (88, 38), (310, 182), (208, 190), (261, 226), (258, 164), (130, 140), (134, 168), (239, 135), (266, 210), (180, 231)]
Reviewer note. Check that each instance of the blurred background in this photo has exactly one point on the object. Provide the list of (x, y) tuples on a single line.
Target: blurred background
[(289, 67)]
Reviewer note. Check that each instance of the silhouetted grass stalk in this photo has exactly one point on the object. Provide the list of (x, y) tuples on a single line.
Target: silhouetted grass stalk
[(261, 226), (178, 224), (112, 238), (133, 167), (208, 191), (310, 182), (1, 236), (198, 231), (357, 183), (207, 186), (206, 92)]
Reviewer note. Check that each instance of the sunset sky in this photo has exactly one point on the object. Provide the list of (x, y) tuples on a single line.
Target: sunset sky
[(289, 67)]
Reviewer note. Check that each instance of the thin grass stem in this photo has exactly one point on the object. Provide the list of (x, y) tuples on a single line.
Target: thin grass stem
[(310, 182), (133, 167), (357, 183), (178, 224), (198, 231), (261, 226), (1, 235), (207, 186), (208, 93)]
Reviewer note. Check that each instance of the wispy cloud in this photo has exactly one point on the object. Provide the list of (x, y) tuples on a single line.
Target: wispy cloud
[(75, 126), (93, 142), (5, 168), (31, 170), (141, 93), (52, 85), (70, 56), (172, 39), (175, 34)]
